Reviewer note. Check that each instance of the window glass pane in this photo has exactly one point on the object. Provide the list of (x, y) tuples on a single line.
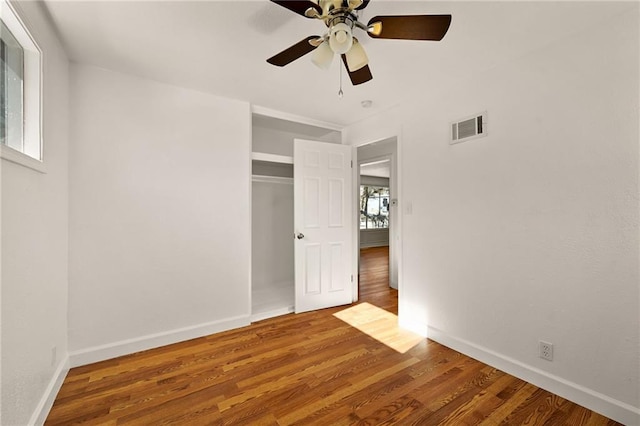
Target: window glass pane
[(374, 207), (11, 89)]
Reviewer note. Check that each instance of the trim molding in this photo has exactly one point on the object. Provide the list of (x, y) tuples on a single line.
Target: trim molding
[(17, 157), (272, 158), (268, 112), (272, 313), (46, 402), (372, 244), (151, 341), (272, 179), (595, 401)]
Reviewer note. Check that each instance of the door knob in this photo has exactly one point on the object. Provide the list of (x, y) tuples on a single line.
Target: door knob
[(300, 235)]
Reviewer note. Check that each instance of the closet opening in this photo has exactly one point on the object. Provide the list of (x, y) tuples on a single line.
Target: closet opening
[(272, 208), (271, 239)]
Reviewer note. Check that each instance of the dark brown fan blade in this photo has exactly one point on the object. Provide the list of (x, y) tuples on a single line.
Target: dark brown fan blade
[(411, 27), (299, 7), (358, 76), (292, 53), (363, 5)]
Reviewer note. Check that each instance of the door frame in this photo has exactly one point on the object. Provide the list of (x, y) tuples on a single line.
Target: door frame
[(393, 196), (397, 194), (258, 110)]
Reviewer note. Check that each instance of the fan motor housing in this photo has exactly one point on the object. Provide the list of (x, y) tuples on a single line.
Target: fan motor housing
[(328, 6), (334, 12)]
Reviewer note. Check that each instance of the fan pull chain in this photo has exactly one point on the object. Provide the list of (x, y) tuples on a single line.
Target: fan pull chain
[(340, 92)]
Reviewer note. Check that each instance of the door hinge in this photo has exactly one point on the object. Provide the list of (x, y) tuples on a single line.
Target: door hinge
[(351, 278), (352, 164)]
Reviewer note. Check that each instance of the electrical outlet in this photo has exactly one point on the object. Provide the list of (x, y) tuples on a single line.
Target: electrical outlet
[(546, 350), (54, 356)]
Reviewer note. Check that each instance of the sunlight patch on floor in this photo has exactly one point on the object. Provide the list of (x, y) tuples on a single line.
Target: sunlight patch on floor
[(379, 324)]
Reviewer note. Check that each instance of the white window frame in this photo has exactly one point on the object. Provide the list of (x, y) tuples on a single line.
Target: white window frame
[(32, 154)]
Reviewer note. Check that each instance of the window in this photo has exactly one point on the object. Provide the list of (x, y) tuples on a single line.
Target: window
[(11, 80), (20, 76), (374, 207)]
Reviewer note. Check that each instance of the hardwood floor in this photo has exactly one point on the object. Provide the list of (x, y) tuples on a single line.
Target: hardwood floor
[(309, 368)]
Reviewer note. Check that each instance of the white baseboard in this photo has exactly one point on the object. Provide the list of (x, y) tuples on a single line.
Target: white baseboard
[(372, 244), (272, 313), (595, 401), (46, 402), (143, 343)]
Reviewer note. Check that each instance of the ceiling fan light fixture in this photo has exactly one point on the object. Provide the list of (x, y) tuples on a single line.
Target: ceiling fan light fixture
[(375, 28), (312, 13), (356, 56), (341, 17), (322, 56), (340, 38)]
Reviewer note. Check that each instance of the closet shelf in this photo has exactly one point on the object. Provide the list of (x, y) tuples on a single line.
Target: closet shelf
[(272, 158), (271, 179)]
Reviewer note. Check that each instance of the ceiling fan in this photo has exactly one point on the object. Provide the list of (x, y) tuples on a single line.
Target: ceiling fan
[(341, 19)]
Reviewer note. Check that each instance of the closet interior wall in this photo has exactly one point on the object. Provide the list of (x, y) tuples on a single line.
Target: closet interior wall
[(272, 240)]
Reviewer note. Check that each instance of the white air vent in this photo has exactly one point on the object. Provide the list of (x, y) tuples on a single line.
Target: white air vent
[(469, 128)]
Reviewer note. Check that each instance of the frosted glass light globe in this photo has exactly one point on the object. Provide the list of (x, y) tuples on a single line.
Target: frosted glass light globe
[(322, 56), (340, 38), (356, 56)]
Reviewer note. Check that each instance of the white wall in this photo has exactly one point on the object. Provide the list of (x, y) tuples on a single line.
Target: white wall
[(531, 233), (279, 140), (374, 180), (159, 214), (34, 249), (374, 238)]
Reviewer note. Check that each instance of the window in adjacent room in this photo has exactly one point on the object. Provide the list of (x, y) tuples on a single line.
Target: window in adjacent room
[(11, 81), (374, 207), (20, 76)]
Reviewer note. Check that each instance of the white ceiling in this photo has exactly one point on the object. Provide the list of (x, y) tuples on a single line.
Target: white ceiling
[(222, 46)]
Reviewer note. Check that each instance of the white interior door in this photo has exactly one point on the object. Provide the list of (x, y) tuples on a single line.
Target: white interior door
[(322, 218)]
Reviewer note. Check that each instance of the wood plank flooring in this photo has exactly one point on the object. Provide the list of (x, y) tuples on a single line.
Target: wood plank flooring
[(309, 368)]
